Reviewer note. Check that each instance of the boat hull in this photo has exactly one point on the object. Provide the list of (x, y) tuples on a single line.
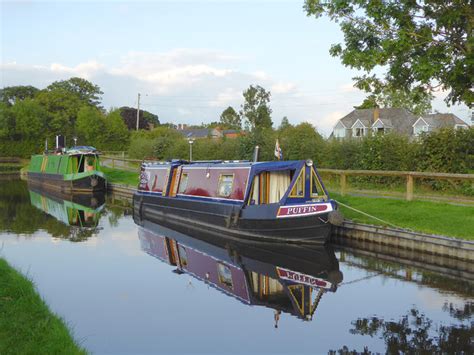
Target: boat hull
[(227, 218), (56, 182)]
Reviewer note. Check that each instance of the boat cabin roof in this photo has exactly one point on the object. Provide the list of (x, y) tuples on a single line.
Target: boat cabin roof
[(256, 167)]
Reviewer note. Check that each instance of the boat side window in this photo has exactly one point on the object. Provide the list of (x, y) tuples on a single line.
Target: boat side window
[(225, 185), (183, 184), (298, 188), (316, 187), (183, 256), (224, 274)]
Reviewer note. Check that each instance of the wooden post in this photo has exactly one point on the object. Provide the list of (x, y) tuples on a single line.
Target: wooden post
[(409, 187), (113, 163), (343, 183)]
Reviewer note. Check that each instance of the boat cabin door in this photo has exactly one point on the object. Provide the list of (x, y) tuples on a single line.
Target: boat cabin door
[(175, 177)]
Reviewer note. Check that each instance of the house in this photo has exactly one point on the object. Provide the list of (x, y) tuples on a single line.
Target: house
[(198, 133), (363, 122), (431, 122), (231, 133)]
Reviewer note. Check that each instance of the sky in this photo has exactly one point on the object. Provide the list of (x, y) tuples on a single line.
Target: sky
[(189, 60)]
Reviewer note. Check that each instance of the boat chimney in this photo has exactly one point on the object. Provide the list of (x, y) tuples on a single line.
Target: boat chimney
[(255, 154), (60, 142)]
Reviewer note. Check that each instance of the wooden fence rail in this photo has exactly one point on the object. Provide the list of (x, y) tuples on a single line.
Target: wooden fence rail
[(410, 176)]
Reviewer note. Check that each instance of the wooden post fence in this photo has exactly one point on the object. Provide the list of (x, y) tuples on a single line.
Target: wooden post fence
[(409, 175)]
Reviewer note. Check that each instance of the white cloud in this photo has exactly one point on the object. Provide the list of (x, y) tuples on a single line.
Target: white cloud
[(282, 88), (229, 96)]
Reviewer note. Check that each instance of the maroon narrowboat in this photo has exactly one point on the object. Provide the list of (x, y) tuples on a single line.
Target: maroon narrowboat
[(288, 278), (281, 200)]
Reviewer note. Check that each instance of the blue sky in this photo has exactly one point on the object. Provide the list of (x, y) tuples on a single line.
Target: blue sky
[(188, 59)]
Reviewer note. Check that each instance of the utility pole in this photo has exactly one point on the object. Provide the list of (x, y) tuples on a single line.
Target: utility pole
[(138, 110)]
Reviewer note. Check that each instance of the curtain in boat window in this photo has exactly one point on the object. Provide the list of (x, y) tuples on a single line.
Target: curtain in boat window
[(279, 183), (256, 190)]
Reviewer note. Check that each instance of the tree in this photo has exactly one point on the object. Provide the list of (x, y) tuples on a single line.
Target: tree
[(86, 91), (129, 116), (7, 122), (424, 45), (91, 128), (230, 118), (30, 119), (12, 94), (255, 108), (412, 101), (302, 142), (62, 108), (116, 132), (284, 124)]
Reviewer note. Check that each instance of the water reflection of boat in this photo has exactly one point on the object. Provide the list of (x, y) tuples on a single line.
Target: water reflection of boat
[(82, 211), (287, 278)]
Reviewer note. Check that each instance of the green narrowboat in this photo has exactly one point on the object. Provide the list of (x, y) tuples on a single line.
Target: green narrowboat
[(73, 170)]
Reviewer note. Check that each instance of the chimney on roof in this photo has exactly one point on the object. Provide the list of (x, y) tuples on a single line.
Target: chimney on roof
[(376, 113)]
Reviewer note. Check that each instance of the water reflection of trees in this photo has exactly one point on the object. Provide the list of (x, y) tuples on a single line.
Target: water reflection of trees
[(416, 333)]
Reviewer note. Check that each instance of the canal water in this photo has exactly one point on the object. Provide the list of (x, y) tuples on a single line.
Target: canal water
[(124, 288)]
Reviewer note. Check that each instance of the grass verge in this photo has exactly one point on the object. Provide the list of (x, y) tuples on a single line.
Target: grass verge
[(117, 176), (27, 326), (422, 216)]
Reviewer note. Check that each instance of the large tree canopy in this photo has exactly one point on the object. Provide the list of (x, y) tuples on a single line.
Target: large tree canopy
[(85, 90), (422, 45)]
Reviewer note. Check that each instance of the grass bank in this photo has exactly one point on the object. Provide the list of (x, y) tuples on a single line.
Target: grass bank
[(27, 326), (421, 216), (117, 176)]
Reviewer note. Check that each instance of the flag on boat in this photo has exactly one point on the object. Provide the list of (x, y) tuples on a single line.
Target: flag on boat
[(278, 153)]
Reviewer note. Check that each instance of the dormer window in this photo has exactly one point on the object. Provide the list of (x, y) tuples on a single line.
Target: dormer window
[(379, 127), (358, 129), (420, 126)]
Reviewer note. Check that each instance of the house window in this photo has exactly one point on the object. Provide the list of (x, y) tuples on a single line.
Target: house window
[(417, 130), (298, 188), (339, 132), (224, 274), (183, 184), (225, 185), (460, 126), (359, 132)]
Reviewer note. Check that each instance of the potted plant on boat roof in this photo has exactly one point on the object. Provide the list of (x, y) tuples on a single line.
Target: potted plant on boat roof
[(90, 164)]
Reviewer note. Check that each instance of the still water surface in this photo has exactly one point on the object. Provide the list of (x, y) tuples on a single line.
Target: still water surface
[(115, 285)]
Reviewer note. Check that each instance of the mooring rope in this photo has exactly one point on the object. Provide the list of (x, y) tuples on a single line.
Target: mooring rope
[(366, 214), (360, 279)]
